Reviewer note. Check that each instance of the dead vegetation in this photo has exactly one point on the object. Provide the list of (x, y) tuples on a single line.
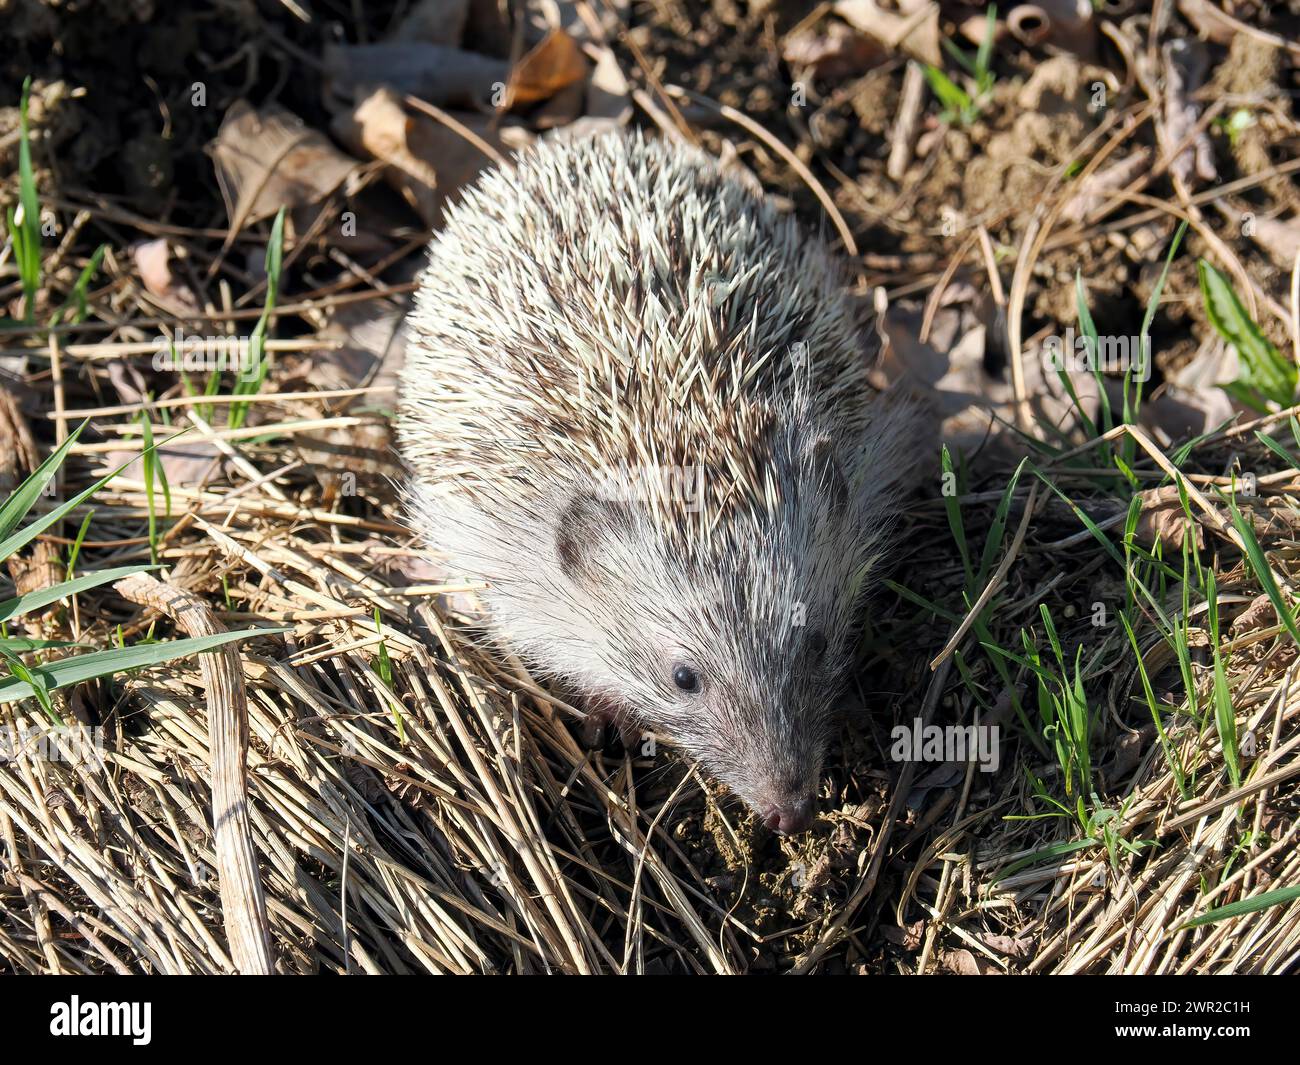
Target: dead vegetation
[(417, 804)]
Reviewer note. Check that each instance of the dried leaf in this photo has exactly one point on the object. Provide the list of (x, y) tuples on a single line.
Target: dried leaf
[(379, 127), (1163, 519), (1011, 946), (269, 158), (1129, 748), (950, 376), (975, 28), (1280, 239), (152, 260), (1185, 65), (915, 32), (1259, 615), (189, 462), (909, 937), (372, 347), (608, 94), (429, 162), (964, 963), (555, 63), (1209, 21), (364, 345), (1094, 191), (834, 55)]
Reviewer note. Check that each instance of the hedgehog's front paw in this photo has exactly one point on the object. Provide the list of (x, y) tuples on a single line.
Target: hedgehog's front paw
[(604, 714)]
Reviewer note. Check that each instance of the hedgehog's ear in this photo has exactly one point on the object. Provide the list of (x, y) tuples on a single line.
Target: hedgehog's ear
[(828, 476), (588, 524)]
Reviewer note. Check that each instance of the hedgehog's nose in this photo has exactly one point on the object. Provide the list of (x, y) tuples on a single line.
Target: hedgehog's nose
[(790, 818)]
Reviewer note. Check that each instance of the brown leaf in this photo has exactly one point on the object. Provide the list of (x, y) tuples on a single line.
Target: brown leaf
[(372, 348), (363, 345), (1182, 413), (553, 64), (1163, 519), (908, 937), (837, 54), (270, 159), (1280, 239), (915, 32), (976, 27), (379, 127), (457, 159), (1011, 946), (1096, 189), (428, 161), (152, 260), (562, 109), (964, 963), (949, 374), (608, 94), (1259, 615), (186, 463), (1129, 749), (1209, 21), (1185, 65), (39, 569)]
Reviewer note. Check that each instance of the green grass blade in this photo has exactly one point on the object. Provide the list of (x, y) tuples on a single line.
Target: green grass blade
[(954, 98), (997, 530), (1278, 450), (24, 604), (1263, 572), (984, 57), (27, 236), (1277, 897), (68, 671), (38, 687), (1056, 850), (1263, 371), (920, 600), (953, 511), (20, 501), (20, 645), (1225, 718), (25, 535)]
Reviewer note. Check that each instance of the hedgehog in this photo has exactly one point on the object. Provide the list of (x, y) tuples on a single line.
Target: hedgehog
[(637, 412)]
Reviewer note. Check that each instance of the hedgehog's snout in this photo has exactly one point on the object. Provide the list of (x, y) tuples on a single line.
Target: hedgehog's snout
[(790, 817), (787, 804)]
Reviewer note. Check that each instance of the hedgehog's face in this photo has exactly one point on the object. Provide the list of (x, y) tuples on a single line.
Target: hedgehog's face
[(736, 654), (751, 696)]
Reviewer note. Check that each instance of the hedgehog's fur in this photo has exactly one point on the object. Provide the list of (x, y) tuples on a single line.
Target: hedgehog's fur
[(618, 305)]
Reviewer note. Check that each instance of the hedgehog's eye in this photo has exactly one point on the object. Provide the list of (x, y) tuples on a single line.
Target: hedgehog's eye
[(816, 643), (686, 678)]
